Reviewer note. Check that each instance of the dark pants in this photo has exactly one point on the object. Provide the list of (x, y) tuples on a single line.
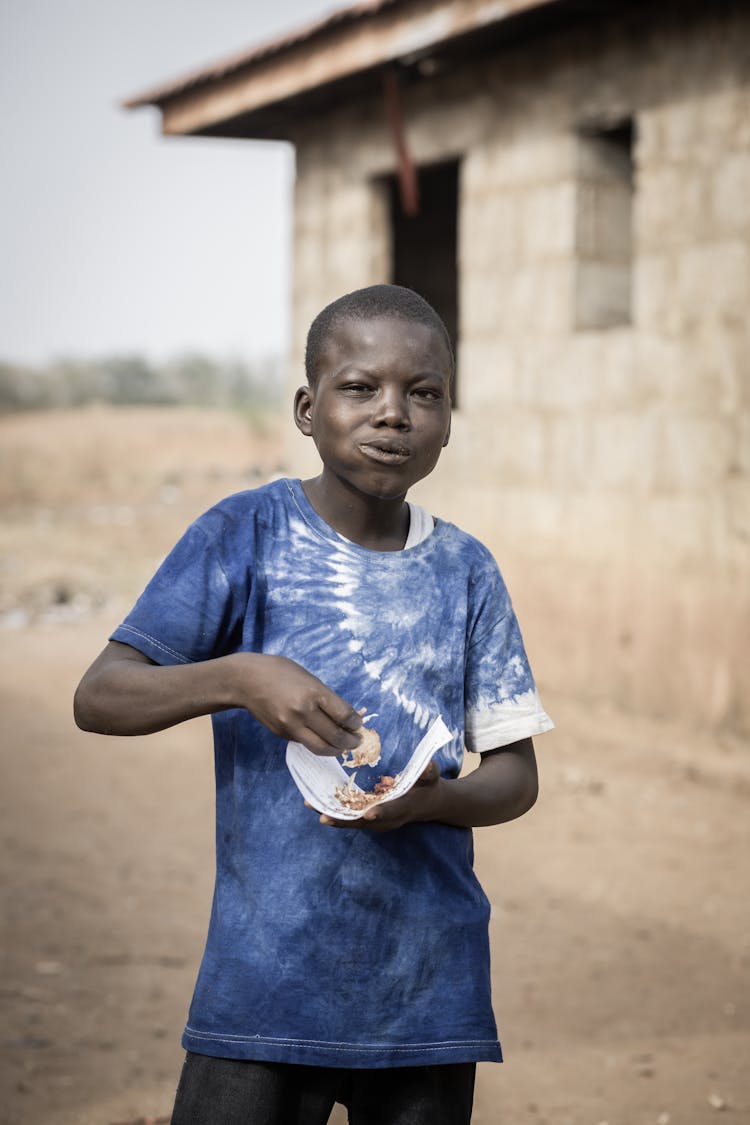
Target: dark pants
[(241, 1092)]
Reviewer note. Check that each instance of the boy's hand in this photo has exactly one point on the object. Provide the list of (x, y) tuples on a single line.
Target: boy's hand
[(296, 705), (124, 692), (502, 787), (413, 806)]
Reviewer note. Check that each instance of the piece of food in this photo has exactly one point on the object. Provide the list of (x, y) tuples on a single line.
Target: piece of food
[(368, 751), (351, 797)]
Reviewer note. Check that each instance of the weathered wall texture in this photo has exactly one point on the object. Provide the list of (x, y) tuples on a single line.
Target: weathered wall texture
[(607, 468)]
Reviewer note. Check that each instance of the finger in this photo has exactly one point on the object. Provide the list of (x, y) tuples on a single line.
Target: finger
[(315, 744), (331, 822), (386, 812), (333, 735), (324, 818), (429, 775), (376, 821), (339, 711)]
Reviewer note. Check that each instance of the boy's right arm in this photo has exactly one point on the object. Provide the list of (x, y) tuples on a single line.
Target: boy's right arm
[(124, 692)]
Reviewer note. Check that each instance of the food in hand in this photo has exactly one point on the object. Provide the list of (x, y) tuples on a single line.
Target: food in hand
[(351, 797), (368, 751)]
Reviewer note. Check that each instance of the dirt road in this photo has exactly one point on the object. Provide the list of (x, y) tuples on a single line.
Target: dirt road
[(620, 930)]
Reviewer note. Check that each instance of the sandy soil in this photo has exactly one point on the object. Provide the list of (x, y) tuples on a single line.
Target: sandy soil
[(620, 928)]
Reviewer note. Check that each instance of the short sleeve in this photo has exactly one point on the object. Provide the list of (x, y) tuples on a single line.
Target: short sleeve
[(502, 704), (190, 610)]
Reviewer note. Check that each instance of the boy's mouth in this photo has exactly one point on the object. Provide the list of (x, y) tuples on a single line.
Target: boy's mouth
[(387, 452)]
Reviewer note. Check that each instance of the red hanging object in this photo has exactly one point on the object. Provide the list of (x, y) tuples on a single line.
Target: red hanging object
[(408, 186)]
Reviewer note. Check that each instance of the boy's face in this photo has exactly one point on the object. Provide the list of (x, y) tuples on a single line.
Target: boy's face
[(379, 413)]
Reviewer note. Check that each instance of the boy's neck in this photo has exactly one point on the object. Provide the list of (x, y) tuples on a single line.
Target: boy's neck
[(372, 522)]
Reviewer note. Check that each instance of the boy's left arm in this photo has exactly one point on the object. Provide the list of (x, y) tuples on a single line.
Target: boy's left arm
[(502, 787)]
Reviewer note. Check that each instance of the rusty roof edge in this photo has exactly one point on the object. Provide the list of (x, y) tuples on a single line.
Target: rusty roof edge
[(307, 32), (318, 29)]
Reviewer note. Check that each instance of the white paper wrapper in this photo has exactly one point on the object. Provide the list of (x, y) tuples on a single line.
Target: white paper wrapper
[(318, 778)]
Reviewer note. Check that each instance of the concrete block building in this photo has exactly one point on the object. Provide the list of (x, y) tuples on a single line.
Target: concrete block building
[(569, 184)]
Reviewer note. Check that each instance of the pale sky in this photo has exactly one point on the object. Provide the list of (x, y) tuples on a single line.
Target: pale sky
[(112, 238)]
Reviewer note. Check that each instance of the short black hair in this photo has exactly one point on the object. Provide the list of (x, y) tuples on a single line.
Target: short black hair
[(367, 304)]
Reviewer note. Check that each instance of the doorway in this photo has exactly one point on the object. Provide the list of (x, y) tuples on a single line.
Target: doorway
[(424, 246)]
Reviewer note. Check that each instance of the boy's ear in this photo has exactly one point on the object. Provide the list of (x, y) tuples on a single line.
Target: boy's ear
[(303, 401), (446, 439)]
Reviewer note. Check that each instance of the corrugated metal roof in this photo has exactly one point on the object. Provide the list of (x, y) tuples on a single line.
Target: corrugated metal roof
[(260, 52), (352, 16)]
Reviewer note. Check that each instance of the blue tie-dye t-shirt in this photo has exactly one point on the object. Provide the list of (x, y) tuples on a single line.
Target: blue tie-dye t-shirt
[(341, 947)]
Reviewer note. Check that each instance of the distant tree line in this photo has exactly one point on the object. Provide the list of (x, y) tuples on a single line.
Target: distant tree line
[(129, 380)]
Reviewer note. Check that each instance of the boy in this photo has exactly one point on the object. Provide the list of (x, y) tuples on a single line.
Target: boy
[(346, 960)]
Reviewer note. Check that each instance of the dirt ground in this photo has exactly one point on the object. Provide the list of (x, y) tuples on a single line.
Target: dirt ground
[(620, 931)]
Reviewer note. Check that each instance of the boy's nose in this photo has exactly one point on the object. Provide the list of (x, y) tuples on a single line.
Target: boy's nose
[(391, 409)]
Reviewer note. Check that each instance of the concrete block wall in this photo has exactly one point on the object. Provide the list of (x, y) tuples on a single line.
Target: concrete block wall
[(609, 470)]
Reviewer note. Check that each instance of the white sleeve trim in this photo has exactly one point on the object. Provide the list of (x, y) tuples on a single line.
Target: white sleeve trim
[(503, 723)]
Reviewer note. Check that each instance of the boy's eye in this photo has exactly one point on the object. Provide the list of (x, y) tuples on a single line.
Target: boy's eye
[(428, 393), (355, 388)]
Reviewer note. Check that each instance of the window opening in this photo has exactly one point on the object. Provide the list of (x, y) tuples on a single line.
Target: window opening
[(604, 222)]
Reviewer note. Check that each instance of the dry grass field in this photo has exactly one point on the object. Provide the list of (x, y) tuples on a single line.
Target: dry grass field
[(621, 936)]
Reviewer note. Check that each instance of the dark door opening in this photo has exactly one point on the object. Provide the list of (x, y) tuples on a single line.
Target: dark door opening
[(604, 226), (424, 246)]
